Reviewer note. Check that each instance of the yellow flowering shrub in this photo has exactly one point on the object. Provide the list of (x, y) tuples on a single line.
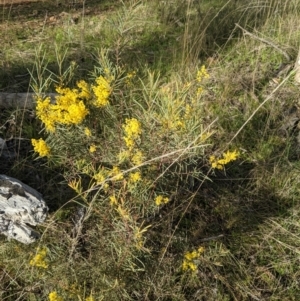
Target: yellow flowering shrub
[(40, 147), (106, 155)]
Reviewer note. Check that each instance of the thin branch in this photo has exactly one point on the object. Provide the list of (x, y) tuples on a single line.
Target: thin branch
[(270, 43), (261, 105)]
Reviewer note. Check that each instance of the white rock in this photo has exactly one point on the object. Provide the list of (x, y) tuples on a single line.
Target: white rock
[(20, 205)]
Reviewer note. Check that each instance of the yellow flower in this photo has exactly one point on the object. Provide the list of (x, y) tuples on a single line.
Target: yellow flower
[(129, 142), (90, 298), (68, 109), (116, 173), (199, 91), (87, 132), (75, 114), (39, 259), (190, 255), (113, 200), (137, 158), (99, 177), (227, 157), (85, 89), (189, 259), (230, 156), (43, 112), (200, 250), (131, 74), (134, 177), (129, 78), (102, 92), (92, 148), (161, 200), (185, 265), (53, 296), (202, 73), (40, 147), (192, 266), (132, 129)]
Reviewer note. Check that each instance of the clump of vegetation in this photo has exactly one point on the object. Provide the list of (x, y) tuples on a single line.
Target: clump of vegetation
[(169, 164)]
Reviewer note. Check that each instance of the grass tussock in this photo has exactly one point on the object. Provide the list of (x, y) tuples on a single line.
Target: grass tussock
[(168, 157)]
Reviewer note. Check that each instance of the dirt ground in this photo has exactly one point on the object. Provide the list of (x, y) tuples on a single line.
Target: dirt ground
[(9, 2)]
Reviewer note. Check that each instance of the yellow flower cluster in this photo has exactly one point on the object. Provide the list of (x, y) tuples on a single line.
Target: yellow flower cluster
[(84, 90), (113, 200), (137, 157), (92, 148), (104, 176), (53, 296), (227, 157), (161, 200), (132, 129), (39, 259), (87, 132), (40, 147), (202, 74), (134, 177), (90, 298), (190, 258), (100, 176), (116, 174), (102, 92), (68, 109)]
